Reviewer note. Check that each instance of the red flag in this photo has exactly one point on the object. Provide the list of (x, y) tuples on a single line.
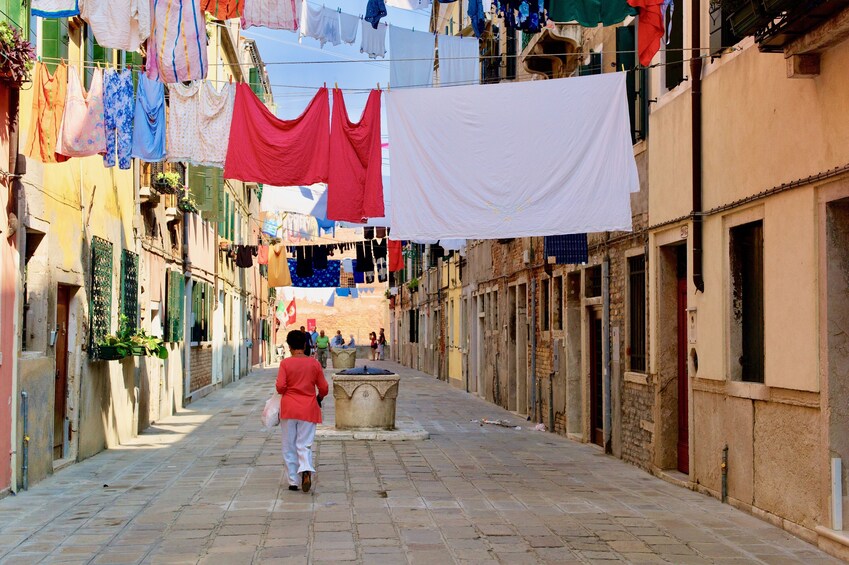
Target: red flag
[(396, 258), (649, 28), (291, 313)]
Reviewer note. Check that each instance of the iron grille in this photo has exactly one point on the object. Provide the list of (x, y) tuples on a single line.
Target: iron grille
[(100, 307), (637, 312), (130, 287), (174, 310)]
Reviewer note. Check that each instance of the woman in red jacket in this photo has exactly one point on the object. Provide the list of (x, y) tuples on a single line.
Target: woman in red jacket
[(297, 380)]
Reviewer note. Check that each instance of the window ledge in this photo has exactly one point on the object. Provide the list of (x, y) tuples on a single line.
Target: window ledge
[(753, 391), (636, 378), (640, 147)]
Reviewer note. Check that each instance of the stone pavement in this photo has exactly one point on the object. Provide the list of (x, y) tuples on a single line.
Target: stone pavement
[(206, 486)]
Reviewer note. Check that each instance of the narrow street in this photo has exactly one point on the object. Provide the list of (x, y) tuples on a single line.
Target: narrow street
[(205, 486)]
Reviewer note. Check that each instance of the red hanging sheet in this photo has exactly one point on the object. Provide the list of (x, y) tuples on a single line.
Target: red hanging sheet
[(263, 148), (396, 257), (649, 28), (355, 182)]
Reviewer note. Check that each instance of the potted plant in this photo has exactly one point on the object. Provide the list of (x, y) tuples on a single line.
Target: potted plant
[(413, 284), (18, 56), (148, 345), (127, 341), (187, 204), (169, 182)]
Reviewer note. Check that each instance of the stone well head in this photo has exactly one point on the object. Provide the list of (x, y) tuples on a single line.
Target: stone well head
[(365, 399)]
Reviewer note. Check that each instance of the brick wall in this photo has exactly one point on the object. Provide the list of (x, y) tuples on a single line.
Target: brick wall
[(200, 358), (637, 407)]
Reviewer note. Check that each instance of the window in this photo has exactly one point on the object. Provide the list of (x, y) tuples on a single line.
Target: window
[(747, 302), (435, 253), (33, 330), (545, 304), (94, 55), (637, 312), (636, 82), (16, 13), (593, 281), (674, 52), (510, 73), (175, 296), (130, 286), (557, 303), (54, 40), (202, 295), (100, 306), (414, 325), (451, 311), (721, 35), (594, 66)]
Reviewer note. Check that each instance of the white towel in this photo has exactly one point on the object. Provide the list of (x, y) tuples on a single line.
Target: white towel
[(411, 64), (348, 25), (330, 27), (373, 41), (55, 8), (459, 60), (312, 21)]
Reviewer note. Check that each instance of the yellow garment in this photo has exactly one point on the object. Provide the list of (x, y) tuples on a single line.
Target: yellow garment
[(278, 266), (48, 107)]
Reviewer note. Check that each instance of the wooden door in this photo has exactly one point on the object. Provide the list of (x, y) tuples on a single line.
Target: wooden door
[(596, 386), (683, 395), (63, 298)]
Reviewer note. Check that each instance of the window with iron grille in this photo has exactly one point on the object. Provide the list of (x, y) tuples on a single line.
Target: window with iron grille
[(100, 305), (414, 325), (747, 302), (176, 291), (557, 303), (593, 281), (130, 287), (202, 294), (637, 312)]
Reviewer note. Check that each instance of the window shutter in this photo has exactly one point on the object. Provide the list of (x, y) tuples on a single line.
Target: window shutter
[(129, 287), (54, 41), (625, 58)]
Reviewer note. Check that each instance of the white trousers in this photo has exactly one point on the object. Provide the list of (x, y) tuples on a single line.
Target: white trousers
[(297, 448)]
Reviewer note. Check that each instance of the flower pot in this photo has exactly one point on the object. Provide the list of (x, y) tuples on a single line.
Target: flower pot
[(138, 351), (224, 245), (108, 353)]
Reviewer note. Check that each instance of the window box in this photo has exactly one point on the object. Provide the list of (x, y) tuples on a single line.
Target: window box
[(109, 353)]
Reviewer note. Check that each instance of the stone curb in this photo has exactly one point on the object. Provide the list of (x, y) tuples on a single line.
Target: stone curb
[(406, 431)]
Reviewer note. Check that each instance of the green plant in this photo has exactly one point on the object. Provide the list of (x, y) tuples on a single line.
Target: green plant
[(17, 55), (387, 294), (171, 180), (413, 284), (187, 204), (127, 341)]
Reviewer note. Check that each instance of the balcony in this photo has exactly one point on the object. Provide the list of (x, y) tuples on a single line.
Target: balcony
[(779, 24), (553, 53)]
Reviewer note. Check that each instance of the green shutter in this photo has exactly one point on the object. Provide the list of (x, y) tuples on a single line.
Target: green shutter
[(95, 53), (54, 41), (14, 13), (129, 287), (175, 307), (255, 83), (626, 59), (100, 299)]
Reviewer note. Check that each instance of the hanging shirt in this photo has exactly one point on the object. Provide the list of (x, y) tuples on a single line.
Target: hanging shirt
[(273, 14), (278, 267), (365, 262), (265, 149), (411, 64), (459, 60), (355, 181), (54, 8), (149, 121), (396, 256), (183, 141), (650, 28), (176, 49), (348, 265), (375, 9), (223, 9), (312, 22), (82, 133), (48, 108), (118, 25), (118, 109), (477, 16), (262, 255), (319, 257), (244, 256), (303, 264), (590, 13), (215, 113), (330, 27), (326, 278), (348, 26), (373, 41)]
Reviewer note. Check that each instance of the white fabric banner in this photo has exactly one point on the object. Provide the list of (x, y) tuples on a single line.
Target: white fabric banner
[(309, 200), (459, 60), (461, 172), (411, 55)]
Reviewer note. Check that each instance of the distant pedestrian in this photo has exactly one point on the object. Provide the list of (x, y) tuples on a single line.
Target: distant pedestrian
[(351, 343), (313, 338), (322, 344), (308, 343), (338, 340), (300, 410), (373, 344), (381, 345)]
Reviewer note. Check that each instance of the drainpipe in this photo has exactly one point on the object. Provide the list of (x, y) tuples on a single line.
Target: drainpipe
[(13, 242), (187, 304), (533, 318), (607, 400), (696, 99), (25, 443), (724, 470)]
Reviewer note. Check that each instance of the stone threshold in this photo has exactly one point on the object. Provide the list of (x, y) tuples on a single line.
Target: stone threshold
[(407, 430)]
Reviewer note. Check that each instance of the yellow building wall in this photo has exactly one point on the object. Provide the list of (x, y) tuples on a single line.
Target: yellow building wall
[(455, 301)]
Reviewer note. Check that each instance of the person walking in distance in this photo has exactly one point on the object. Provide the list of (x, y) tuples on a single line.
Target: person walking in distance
[(338, 340), (381, 345), (322, 344), (308, 344), (372, 337), (298, 378)]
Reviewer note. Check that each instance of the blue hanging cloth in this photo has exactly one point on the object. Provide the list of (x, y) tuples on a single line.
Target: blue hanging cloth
[(477, 16), (375, 9)]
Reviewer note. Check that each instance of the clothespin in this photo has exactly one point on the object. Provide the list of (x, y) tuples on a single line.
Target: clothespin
[(39, 58), (623, 67), (378, 86), (339, 10), (325, 85), (388, 87), (231, 79), (336, 85)]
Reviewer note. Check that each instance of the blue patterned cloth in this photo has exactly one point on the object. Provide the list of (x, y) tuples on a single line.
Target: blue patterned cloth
[(375, 9), (149, 121), (568, 249), (324, 278), (118, 111)]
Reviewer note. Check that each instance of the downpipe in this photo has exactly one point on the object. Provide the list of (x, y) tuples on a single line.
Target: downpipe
[(25, 446), (533, 319), (724, 470), (607, 403), (696, 123)]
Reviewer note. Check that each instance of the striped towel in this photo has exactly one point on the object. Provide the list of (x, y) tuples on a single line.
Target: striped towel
[(177, 47)]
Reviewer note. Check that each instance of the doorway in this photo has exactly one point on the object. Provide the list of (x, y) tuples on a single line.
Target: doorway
[(522, 406), (512, 330), (596, 386), (60, 391), (683, 396)]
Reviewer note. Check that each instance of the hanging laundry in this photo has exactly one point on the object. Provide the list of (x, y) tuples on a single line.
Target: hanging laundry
[(245, 255), (369, 277), (82, 133), (375, 9), (311, 22), (373, 41), (327, 278), (348, 26), (365, 262), (585, 187), (48, 108), (355, 181), (263, 148), (319, 257), (368, 233), (326, 226), (343, 292), (215, 112), (411, 64), (273, 14), (459, 60), (525, 15), (262, 255), (650, 28), (55, 8), (569, 249), (589, 13), (379, 250), (409, 4), (477, 16), (118, 113), (310, 200), (270, 226), (303, 261), (396, 255), (348, 265), (359, 276), (452, 244), (149, 121), (182, 129), (380, 232), (176, 49), (223, 9), (278, 267), (118, 25), (330, 27)]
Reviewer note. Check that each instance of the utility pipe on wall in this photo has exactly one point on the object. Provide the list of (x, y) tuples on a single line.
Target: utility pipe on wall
[(605, 354), (696, 119), (25, 446), (533, 319)]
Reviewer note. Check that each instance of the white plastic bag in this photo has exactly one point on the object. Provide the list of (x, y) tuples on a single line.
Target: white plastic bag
[(271, 412)]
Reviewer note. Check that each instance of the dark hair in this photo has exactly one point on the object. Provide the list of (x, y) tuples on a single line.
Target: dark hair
[(296, 339)]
